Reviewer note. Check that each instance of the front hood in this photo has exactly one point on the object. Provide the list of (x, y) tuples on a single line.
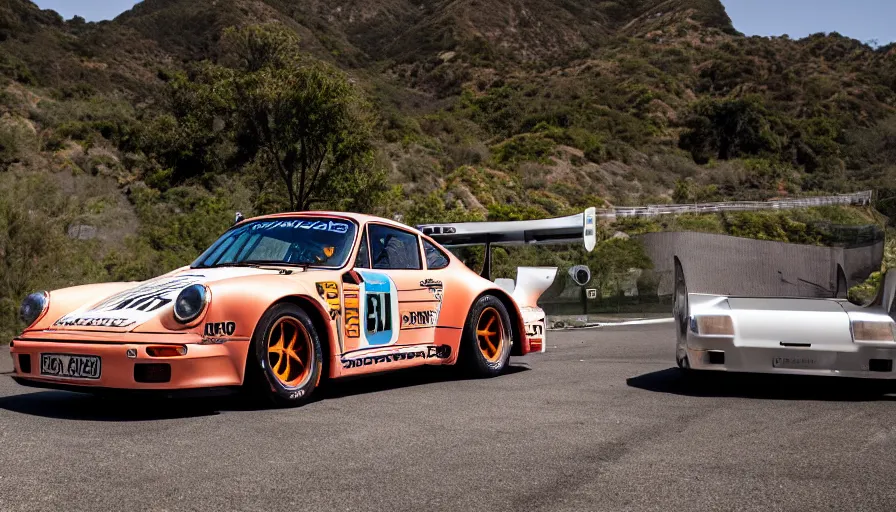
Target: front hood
[(126, 310)]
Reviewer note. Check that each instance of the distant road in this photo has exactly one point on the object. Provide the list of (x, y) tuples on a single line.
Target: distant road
[(600, 422)]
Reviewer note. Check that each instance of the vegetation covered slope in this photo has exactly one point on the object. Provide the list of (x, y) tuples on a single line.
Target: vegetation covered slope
[(120, 156)]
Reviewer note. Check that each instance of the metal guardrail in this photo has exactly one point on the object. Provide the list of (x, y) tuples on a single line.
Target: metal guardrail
[(859, 198)]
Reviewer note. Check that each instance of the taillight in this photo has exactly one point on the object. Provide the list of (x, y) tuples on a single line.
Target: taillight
[(873, 331), (715, 326)]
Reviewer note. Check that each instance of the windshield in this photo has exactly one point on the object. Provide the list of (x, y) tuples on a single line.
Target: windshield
[(300, 241)]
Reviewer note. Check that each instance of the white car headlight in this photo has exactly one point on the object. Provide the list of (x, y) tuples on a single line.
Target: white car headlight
[(33, 307), (863, 330), (718, 325), (190, 303)]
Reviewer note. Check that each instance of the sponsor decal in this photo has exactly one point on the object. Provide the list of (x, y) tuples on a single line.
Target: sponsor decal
[(213, 341), (329, 291), (131, 306), (94, 322), (352, 315), (317, 225), (535, 330), (220, 328), (148, 297), (430, 352), (435, 287), (419, 318)]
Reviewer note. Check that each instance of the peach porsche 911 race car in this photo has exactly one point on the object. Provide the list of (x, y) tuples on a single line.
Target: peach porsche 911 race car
[(280, 302)]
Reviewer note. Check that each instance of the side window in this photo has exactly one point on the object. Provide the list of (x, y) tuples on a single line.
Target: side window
[(363, 259), (392, 248), (435, 258)]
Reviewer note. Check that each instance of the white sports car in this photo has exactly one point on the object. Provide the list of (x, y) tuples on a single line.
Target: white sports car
[(786, 335)]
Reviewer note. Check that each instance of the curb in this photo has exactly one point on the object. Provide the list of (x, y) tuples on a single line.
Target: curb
[(651, 321)]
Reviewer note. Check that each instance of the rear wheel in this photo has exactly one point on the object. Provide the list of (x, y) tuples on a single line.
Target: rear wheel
[(286, 360), (487, 338)]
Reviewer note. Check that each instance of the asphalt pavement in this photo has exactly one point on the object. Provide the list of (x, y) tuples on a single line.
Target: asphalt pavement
[(599, 422)]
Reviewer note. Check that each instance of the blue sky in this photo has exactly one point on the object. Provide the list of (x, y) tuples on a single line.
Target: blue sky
[(91, 10), (861, 19)]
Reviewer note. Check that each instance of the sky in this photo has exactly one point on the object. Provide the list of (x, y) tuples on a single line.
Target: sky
[(864, 20), (91, 10), (860, 19)]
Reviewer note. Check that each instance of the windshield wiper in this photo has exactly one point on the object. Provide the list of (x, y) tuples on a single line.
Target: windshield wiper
[(260, 264), (232, 264), (276, 263)]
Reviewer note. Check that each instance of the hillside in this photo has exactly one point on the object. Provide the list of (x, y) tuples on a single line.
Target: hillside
[(499, 109)]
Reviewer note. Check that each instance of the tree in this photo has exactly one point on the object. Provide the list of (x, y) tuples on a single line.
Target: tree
[(614, 258), (730, 128), (300, 120)]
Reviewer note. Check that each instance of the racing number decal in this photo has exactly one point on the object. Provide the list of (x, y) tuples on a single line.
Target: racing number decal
[(378, 299), (379, 316)]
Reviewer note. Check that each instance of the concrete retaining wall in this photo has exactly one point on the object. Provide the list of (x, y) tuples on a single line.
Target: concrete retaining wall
[(721, 264)]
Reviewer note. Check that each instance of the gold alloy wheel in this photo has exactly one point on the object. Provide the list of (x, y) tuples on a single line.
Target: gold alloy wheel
[(490, 333), (289, 352)]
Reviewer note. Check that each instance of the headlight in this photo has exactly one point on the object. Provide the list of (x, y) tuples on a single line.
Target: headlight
[(33, 307), (714, 326), (190, 303), (873, 331)]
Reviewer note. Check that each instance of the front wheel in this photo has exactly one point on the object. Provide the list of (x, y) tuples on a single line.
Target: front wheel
[(487, 339), (286, 362)]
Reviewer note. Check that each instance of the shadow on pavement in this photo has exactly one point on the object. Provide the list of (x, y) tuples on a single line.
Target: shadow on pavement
[(764, 386), (149, 407)]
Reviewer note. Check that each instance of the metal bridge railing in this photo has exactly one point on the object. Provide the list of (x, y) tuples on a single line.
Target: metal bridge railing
[(859, 198)]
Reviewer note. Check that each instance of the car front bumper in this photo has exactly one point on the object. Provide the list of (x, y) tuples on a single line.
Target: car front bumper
[(866, 361), (203, 366)]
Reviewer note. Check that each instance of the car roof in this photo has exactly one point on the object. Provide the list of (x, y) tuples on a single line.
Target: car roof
[(360, 218)]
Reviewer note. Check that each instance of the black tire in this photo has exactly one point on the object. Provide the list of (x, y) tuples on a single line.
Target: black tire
[(475, 360), (262, 368)]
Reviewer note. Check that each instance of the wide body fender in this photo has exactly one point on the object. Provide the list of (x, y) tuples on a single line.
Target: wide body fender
[(461, 291), (237, 305)]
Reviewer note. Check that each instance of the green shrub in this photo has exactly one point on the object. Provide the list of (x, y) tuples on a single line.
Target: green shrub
[(523, 148), (727, 129)]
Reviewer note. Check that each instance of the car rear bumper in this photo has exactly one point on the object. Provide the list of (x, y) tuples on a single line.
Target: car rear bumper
[(203, 366), (846, 360)]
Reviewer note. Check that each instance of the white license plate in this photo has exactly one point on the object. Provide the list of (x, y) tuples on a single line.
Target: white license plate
[(70, 366), (801, 362)]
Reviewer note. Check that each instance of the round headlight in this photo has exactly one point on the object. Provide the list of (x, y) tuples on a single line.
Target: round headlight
[(190, 303), (33, 307)]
